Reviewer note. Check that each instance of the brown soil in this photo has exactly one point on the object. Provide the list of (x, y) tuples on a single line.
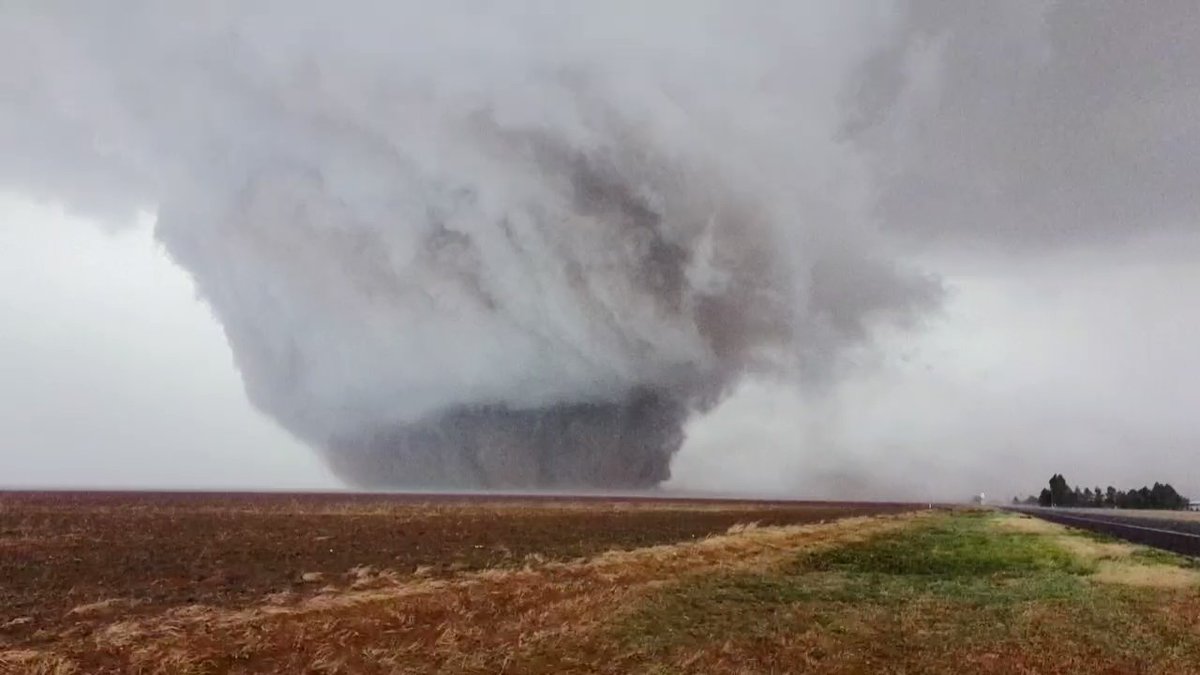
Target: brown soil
[(79, 569)]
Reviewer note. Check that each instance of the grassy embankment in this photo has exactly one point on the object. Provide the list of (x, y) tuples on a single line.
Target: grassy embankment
[(967, 592)]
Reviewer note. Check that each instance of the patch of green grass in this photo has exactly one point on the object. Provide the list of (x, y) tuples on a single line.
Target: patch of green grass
[(954, 548), (954, 559), (957, 582)]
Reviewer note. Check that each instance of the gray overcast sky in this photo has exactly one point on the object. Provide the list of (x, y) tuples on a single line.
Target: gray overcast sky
[(113, 374), (1039, 161)]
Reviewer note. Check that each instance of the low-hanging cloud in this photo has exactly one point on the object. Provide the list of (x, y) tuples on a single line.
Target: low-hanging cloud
[(470, 246)]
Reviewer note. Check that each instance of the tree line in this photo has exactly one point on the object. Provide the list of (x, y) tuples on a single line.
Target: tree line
[(1059, 493)]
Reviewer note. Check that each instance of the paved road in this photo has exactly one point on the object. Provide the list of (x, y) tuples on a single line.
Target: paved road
[(1180, 536)]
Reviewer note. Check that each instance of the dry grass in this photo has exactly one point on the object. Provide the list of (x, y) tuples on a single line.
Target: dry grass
[(1027, 525), (1092, 549), (1127, 573), (34, 662), (109, 606)]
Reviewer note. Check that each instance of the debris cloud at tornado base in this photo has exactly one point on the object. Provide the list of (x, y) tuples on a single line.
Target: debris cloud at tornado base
[(460, 246)]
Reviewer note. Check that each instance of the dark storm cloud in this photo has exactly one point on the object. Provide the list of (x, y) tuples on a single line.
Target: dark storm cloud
[(472, 246)]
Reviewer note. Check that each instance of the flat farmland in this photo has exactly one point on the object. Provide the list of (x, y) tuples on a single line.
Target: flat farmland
[(72, 563), (184, 583)]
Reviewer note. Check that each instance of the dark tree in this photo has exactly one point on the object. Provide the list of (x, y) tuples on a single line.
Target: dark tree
[(1060, 493), (1160, 496)]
